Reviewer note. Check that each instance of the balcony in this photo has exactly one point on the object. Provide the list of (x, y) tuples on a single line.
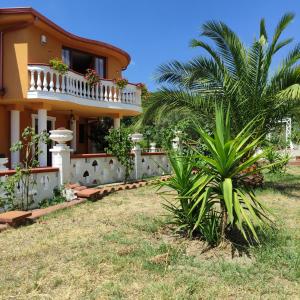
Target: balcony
[(46, 83)]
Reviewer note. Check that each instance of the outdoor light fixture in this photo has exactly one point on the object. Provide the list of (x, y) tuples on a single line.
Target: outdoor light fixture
[(43, 39)]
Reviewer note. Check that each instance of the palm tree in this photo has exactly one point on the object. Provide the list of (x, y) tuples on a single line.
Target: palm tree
[(237, 75)]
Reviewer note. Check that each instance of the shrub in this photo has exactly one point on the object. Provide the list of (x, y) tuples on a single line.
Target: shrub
[(277, 161), (22, 178), (214, 201), (120, 145)]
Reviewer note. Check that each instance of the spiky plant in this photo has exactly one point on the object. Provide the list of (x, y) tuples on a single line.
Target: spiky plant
[(218, 187)]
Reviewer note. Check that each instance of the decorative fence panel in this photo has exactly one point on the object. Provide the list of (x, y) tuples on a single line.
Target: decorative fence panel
[(88, 170), (43, 182)]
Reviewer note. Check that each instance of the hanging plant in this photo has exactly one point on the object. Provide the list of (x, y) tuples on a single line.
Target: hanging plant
[(58, 65), (92, 77), (144, 91), (121, 82)]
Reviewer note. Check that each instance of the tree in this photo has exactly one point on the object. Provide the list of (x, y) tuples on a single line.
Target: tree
[(237, 75)]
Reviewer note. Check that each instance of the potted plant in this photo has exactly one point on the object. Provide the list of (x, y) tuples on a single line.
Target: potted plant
[(120, 82), (92, 77), (58, 65)]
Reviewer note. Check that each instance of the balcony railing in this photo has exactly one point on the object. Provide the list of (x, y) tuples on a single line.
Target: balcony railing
[(46, 81)]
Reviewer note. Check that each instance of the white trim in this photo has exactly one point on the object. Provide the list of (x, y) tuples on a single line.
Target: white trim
[(49, 118), (82, 101)]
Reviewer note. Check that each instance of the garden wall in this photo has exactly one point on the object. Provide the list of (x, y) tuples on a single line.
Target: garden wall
[(89, 170), (43, 182), (95, 169)]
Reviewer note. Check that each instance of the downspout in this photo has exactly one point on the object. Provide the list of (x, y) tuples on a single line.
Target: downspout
[(8, 29)]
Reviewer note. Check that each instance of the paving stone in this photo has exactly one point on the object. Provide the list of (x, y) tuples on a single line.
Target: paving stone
[(88, 193), (80, 188), (14, 217)]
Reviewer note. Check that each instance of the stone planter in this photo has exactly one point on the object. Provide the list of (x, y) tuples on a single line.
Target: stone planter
[(136, 137), (3, 162), (61, 135), (152, 147)]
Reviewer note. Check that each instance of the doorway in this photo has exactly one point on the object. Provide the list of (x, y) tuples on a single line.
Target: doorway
[(50, 126)]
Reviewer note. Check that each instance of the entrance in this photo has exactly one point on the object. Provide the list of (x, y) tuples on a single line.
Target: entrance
[(50, 126)]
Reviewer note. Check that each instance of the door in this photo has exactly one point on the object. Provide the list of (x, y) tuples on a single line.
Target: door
[(50, 126), (49, 146)]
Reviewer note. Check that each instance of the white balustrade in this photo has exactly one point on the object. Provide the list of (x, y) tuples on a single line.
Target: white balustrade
[(45, 79)]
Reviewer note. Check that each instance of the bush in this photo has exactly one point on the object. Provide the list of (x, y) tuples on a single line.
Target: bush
[(120, 145), (277, 161), (214, 201)]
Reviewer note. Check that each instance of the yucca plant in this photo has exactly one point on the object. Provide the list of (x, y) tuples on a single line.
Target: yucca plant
[(182, 182), (218, 189)]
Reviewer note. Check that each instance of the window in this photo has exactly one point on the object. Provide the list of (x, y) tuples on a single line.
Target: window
[(65, 55), (80, 61), (100, 66), (81, 133)]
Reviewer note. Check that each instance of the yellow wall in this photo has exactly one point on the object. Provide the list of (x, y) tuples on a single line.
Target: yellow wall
[(15, 74), (23, 47)]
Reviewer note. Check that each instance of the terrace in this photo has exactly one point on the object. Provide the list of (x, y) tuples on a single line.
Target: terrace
[(46, 83)]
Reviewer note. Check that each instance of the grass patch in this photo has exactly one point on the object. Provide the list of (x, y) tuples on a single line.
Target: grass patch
[(119, 248)]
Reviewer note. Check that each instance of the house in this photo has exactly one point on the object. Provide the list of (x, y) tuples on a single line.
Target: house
[(34, 94)]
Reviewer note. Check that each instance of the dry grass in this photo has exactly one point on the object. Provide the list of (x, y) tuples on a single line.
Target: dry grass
[(118, 248)]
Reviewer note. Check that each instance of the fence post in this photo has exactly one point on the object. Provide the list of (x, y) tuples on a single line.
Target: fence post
[(61, 153), (137, 151)]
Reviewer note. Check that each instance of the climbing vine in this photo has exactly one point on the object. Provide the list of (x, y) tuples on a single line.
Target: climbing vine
[(120, 145)]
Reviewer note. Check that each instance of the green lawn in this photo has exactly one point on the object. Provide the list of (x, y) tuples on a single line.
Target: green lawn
[(119, 248)]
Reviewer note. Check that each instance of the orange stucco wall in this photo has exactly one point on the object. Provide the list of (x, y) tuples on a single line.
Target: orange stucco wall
[(23, 46), (15, 74)]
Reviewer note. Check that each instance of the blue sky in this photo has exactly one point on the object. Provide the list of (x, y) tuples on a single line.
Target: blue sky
[(157, 31)]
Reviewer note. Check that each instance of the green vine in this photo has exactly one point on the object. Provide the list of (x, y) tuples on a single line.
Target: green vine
[(120, 145)]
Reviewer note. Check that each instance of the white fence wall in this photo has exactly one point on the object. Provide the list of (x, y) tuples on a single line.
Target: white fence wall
[(44, 182), (89, 170), (95, 169)]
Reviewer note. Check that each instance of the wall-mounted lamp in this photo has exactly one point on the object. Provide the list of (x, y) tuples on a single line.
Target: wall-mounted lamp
[(43, 39)]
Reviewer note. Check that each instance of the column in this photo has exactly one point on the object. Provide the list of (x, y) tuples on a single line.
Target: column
[(61, 154), (137, 151), (117, 123), (74, 129), (14, 136), (42, 126)]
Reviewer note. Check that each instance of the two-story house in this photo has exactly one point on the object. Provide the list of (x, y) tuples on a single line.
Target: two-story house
[(34, 94)]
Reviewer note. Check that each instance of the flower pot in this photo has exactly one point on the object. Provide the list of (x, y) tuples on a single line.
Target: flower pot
[(61, 135)]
